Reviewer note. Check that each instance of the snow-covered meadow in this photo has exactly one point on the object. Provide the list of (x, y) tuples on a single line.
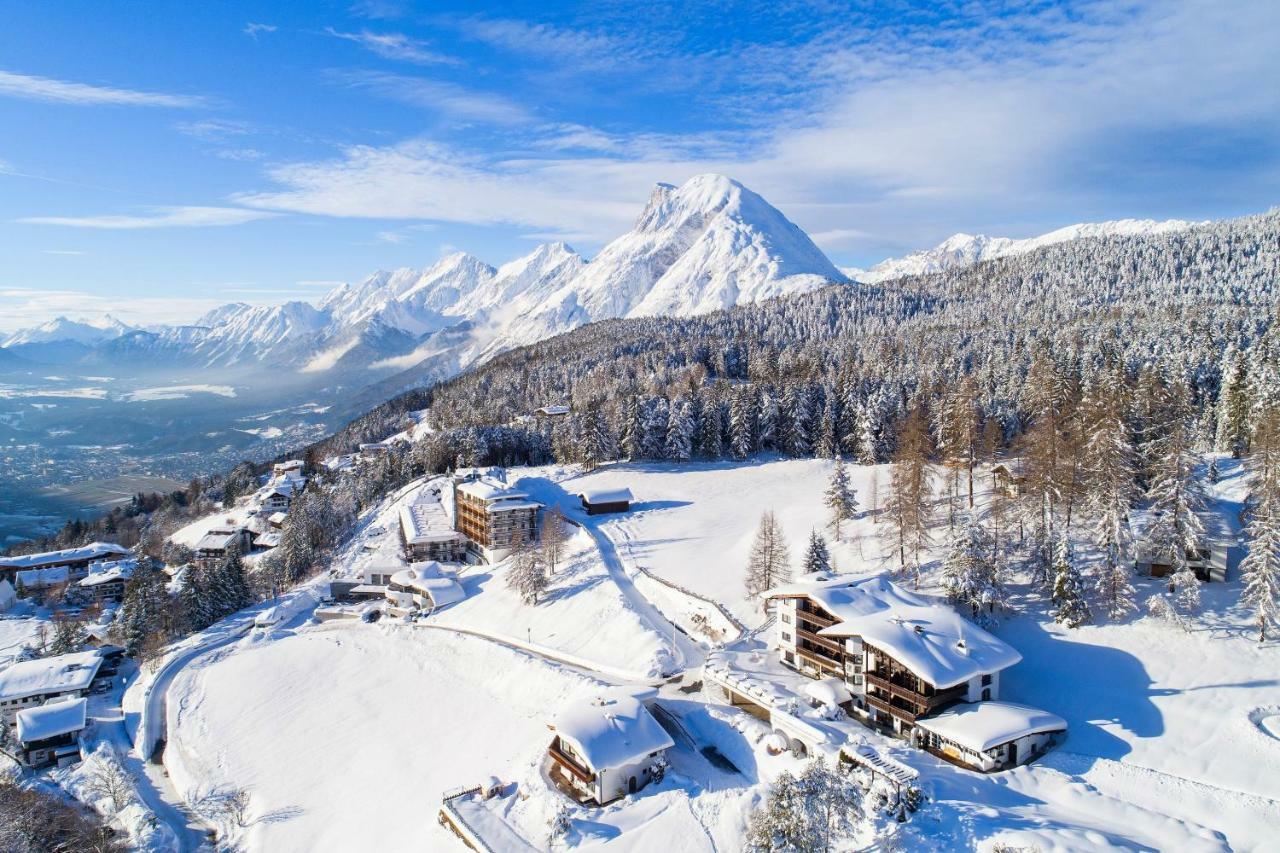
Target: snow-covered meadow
[(359, 729)]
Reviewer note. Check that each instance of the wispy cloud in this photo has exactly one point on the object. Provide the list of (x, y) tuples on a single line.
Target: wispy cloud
[(438, 95), (253, 30), (66, 92), (62, 252), (161, 217), (396, 46), (25, 307)]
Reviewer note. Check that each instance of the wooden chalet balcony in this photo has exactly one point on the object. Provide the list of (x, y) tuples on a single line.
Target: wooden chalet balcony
[(880, 704), (928, 703), (827, 643), (819, 659), (579, 772), (815, 618)]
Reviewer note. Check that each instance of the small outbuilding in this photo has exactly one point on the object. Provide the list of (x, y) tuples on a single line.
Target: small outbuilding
[(423, 587), (50, 734), (990, 736), (607, 745), (600, 501)]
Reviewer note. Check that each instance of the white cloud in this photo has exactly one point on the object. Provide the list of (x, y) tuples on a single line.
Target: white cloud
[(63, 252), (1014, 121), (161, 217), (67, 92), (25, 307), (253, 30), (397, 46), (438, 95)]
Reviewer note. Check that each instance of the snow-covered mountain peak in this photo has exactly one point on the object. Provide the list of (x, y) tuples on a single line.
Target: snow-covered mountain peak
[(963, 249), (85, 331)]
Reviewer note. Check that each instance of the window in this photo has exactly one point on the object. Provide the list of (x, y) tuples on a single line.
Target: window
[(789, 657), (786, 617), (986, 680), (786, 638)]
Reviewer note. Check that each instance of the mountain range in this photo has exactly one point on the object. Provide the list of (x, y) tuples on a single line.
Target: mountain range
[(706, 245)]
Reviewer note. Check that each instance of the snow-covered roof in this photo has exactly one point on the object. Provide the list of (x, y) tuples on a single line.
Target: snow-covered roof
[(289, 465), (59, 674), (267, 540), (277, 518), (1217, 530), (426, 521), (107, 571), (94, 550), (554, 410), (486, 489), (51, 720), (983, 725), (612, 727), (38, 578), (218, 539), (603, 495), (829, 691), (429, 580), (932, 640)]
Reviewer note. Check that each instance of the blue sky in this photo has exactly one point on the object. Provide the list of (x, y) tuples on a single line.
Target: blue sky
[(156, 161)]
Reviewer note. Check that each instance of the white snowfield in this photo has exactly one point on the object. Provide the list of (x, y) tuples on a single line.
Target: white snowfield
[(357, 730)]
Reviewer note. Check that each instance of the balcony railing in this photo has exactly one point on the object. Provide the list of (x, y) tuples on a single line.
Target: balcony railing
[(880, 704), (818, 658), (824, 642), (579, 772), (815, 618)]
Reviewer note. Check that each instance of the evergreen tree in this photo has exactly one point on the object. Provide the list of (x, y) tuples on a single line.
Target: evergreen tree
[(1231, 433), (1070, 607), (1176, 529), (1260, 569), (841, 497), (742, 426), (817, 558), (527, 575), (679, 446), (812, 813), (799, 422), (769, 562), (1111, 473), (710, 442), (653, 419), (629, 417), (971, 574)]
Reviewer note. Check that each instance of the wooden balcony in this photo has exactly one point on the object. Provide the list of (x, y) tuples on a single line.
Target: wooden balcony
[(833, 646), (815, 618), (926, 703), (819, 660), (579, 772), (880, 704)]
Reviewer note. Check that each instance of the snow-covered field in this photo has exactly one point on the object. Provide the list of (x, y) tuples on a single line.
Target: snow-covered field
[(357, 730)]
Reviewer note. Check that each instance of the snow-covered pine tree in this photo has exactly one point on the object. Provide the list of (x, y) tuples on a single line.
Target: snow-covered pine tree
[(1231, 433), (742, 423), (816, 557), (1070, 607), (1110, 488), (798, 413), (653, 420), (827, 444), (971, 575), (709, 443), (679, 432), (769, 562), (1260, 568), (812, 813), (527, 575), (629, 419), (1175, 502), (841, 497), (767, 421)]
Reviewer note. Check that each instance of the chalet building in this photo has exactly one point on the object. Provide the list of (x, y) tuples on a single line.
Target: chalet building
[(213, 547), (49, 735), (552, 412), (74, 560), (107, 580), (902, 657), (374, 449), (288, 468), (275, 498), (1208, 559), (422, 588), (601, 501), (607, 746), (1007, 480), (426, 532), (494, 518), (34, 682), (989, 736), (276, 519), (370, 585)]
